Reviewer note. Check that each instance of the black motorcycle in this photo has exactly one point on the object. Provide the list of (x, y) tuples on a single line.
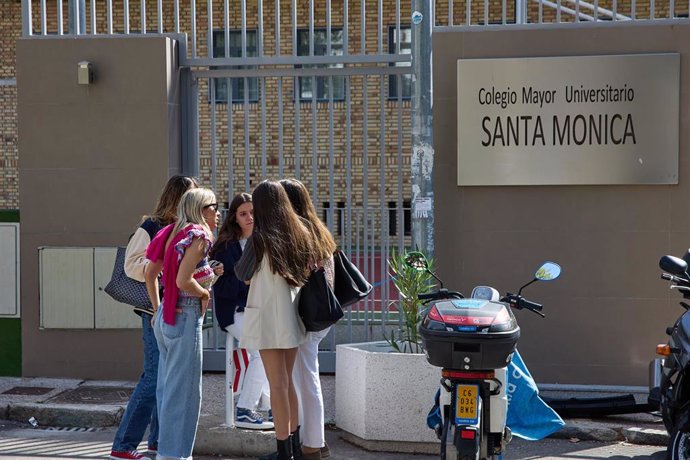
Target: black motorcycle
[(670, 375)]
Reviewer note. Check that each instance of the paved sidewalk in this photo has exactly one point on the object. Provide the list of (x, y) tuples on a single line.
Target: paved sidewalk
[(85, 404)]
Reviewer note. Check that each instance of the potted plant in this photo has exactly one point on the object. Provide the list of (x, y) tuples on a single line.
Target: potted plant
[(385, 389), (409, 282)]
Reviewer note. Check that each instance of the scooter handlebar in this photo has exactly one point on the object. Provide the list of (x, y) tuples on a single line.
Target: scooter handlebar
[(441, 294), (675, 279), (528, 304), (428, 296), (519, 302)]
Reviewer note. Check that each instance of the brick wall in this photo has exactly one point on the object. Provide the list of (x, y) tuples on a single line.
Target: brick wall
[(10, 31)]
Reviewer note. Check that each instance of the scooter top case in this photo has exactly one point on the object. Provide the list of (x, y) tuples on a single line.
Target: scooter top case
[(469, 334)]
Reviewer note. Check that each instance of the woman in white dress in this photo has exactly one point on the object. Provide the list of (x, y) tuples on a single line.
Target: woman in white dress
[(306, 372), (277, 260)]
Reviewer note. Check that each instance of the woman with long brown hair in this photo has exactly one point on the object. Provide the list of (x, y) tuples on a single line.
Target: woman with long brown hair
[(277, 262), (306, 371), (229, 301), (141, 408)]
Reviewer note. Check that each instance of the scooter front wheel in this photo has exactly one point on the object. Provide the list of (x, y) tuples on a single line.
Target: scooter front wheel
[(679, 445)]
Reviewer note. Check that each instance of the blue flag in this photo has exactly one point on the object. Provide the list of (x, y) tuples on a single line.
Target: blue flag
[(529, 417)]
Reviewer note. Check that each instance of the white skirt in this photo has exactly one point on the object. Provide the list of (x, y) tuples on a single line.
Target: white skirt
[(270, 317)]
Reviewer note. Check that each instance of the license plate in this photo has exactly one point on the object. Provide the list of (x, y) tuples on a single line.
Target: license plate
[(466, 404)]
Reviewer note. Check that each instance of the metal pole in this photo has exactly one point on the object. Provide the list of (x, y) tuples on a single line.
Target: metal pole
[(76, 17), (229, 376), (422, 131), (521, 11), (189, 127), (26, 19)]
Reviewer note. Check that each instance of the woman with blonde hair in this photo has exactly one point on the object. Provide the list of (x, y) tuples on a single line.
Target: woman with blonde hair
[(141, 409), (180, 251), (276, 260), (306, 371)]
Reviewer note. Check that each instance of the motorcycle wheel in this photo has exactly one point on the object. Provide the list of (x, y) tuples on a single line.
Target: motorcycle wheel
[(679, 445)]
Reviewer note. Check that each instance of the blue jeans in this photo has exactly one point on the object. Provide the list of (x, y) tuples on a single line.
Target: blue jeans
[(141, 409), (179, 379)]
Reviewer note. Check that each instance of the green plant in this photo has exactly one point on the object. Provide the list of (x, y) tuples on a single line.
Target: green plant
[(410, 283)]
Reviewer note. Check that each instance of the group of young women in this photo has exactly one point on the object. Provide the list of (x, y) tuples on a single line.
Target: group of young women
[(264, 253)]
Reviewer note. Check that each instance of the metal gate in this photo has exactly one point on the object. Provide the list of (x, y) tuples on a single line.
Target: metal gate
[(324, 98)]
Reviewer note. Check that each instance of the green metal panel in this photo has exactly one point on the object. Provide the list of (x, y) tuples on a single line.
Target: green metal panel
[(10, 347), (9, 215)]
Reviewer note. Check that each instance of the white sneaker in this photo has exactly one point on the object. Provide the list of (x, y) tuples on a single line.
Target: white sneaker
[(251, 420)]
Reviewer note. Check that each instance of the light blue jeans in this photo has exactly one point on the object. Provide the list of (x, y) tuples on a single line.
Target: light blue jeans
[(141, 409), (179, 379)]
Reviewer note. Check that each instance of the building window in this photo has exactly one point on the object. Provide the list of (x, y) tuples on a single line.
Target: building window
[(394, 212), (221, 84), (320, 48), (405, 48)]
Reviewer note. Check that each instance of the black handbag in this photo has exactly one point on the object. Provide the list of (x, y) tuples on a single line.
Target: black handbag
[(318, 306), (350, 286), (125, 289)]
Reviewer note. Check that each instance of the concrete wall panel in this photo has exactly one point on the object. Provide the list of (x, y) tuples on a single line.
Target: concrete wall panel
[(94, 159), (609, 308)]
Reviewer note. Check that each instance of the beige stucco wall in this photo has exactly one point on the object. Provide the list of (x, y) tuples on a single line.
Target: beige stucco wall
[(94, 159), (609, 309)]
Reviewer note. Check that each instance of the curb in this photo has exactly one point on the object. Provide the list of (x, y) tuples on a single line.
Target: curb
[(593, 431), (89, 416), (403, 447), (647, 436), (585, 430), (214, 438), (233, 442)]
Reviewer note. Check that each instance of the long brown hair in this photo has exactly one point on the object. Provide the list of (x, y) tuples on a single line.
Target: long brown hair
[(166, 208), (324, 245), (280, 235), (230, 230)]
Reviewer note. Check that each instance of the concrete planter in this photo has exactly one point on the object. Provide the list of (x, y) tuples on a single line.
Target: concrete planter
[(382, 397)]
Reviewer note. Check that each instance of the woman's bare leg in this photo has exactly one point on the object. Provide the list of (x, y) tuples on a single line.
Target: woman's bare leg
[(290, 357), (277, 362)]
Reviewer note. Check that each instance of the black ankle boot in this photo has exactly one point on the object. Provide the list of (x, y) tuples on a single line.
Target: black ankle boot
[(285, 449), (296, 445)]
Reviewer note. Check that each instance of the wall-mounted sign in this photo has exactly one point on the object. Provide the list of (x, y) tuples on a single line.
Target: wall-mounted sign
[(569, 120)]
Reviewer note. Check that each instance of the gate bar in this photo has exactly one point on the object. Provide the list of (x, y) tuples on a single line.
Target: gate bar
[(109, 14), (44, 27), (142, 16), (93, 17), (59, 17), (231, 156)]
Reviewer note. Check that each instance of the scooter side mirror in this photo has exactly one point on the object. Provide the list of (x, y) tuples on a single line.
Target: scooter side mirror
[(686, 257), (674, 266), (417, 261), (548, 271)]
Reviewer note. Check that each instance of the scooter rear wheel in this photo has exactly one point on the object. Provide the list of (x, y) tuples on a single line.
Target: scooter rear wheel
[(448, 449)]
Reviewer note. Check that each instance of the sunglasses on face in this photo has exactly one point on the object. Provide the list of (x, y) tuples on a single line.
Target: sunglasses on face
[(212, 205)]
